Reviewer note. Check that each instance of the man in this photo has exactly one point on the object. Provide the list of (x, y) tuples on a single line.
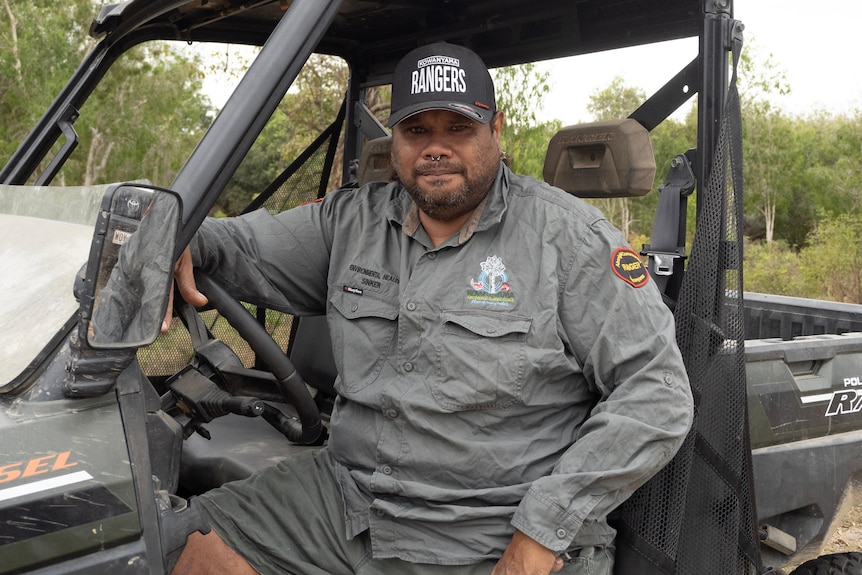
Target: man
[(504, 382)]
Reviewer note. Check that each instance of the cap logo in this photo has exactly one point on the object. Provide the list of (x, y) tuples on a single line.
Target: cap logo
[(448, 60), (438, 74)]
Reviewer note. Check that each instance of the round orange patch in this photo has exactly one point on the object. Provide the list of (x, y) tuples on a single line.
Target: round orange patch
[(628, 267)]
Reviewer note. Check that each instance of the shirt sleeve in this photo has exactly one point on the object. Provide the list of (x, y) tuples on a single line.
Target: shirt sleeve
[(277, 261), (622, 335)]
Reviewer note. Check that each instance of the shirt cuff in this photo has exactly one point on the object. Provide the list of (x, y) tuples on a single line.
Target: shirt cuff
[(549, 524)]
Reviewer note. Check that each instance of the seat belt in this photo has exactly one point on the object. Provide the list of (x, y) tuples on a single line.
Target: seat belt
[(666, 250)]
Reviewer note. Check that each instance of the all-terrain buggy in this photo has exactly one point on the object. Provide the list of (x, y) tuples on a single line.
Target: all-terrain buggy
[(107, 429)]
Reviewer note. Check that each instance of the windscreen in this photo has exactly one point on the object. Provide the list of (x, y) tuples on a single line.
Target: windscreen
[(45, 235)]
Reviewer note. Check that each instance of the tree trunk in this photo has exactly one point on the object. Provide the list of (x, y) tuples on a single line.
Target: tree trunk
[(13, 25)]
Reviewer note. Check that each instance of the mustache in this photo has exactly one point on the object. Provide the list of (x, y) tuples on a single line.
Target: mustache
[(431, 168)]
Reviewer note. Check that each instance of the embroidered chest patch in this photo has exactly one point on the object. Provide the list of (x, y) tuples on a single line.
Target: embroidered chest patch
[(492, 285), (628, 267)]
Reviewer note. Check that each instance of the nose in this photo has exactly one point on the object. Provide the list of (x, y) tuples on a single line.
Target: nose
[(436, 150)]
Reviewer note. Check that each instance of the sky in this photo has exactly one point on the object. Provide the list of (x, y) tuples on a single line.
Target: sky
[(816, 44)]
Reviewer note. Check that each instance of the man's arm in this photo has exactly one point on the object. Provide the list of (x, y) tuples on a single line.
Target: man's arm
[(255, 257), (622, 337)]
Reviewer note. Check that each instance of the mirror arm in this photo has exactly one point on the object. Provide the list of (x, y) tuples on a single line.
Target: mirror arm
[(93, 372)]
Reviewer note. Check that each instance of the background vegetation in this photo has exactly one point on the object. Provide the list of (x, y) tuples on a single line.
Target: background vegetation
[(803, 174)]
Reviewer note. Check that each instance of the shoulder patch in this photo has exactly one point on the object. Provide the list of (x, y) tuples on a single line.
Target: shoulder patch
[(628, 267)]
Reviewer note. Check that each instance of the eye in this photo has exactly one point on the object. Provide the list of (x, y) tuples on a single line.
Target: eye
[(461, 127)]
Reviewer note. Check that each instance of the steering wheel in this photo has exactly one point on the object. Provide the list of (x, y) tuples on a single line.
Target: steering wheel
[(293, 390)]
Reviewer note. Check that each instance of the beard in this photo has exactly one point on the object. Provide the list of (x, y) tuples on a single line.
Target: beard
[(440, 202)]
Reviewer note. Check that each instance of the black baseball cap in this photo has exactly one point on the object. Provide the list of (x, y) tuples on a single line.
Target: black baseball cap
[(442, 76)]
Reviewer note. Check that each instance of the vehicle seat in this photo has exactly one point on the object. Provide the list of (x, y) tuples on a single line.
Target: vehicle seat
[(609, 159), (374, 163)]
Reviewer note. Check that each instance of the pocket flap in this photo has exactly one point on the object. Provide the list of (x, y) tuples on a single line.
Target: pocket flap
[(368, 304), (488, 325)]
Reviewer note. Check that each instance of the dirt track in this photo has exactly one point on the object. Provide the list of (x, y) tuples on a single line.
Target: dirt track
[(848, 537)]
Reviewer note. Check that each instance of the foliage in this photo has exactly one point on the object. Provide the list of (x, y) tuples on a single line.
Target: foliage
[(311, 104), (829, 267), (761, 80), (616, 101), (833, 261), (41, 44), (520, 90), (121, 126), (799, 169), (773, 268)]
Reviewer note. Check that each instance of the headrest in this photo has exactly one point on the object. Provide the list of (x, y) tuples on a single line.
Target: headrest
[(607, 159), (374, 161)]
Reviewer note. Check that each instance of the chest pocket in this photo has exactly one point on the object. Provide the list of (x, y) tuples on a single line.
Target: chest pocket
[(362, 337), (480, 360)]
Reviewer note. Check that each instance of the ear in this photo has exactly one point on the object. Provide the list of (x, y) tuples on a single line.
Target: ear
[(497, 123)]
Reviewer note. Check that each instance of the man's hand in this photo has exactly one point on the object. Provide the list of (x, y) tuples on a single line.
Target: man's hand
[(524, 556), (184, 277)]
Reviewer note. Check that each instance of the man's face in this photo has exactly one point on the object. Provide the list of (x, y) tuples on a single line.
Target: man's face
[(446, 161)]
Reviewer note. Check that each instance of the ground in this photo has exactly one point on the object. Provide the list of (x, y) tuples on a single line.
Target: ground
[(848, 537)]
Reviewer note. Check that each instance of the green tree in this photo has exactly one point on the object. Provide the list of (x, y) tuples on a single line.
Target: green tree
[(617, 101), (832, 262), (833, 162), (141, 121), (520, 90), (771, 153), (41, 44), (309, 106), (761, 80), (774, 268)]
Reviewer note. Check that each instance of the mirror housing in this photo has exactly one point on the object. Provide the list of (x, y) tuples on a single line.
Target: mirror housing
[(128, 278)]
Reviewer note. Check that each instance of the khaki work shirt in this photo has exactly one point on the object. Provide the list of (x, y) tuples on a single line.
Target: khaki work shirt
[(524, 374)]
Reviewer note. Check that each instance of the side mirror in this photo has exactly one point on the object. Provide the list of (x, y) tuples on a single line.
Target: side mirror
[(128, 277)]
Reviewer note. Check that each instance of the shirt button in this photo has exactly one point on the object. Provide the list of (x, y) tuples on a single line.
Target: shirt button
[(391, 413), (354, 307), (408, 366), (411, 306), (432, 256), (561, 533), (386, 470), (381, 513)]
